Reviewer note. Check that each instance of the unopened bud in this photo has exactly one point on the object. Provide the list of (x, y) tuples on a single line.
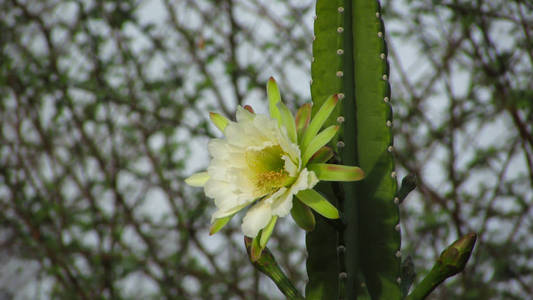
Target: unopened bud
[(454, 258)]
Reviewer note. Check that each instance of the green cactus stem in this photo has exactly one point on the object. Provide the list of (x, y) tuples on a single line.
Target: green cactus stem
[(323, 265), (350, 59), (372, 234)]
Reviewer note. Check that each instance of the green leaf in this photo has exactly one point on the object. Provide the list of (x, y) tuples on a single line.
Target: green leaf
[(332, 172), (318, 142), (318, 120), (318, 203), (302, 215), (220, 121), (274, 97), (198, 179), (287, 120)]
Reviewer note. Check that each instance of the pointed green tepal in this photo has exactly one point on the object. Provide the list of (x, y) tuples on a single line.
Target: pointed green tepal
[(274, 97), (219, 120)]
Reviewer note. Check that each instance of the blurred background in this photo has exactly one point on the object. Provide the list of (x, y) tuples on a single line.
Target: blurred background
[(104, 111)]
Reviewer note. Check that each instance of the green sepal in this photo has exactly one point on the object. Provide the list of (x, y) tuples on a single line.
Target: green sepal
[(219, 120), (256, 249), (260, 240), (318, 120), (318, 142), (267, 232), (198, 179), (303, 116), (223, 220), (332, 172), (323, 155), (302, 215), (318, 203), (219, 224), (273, 98), (287, 119)]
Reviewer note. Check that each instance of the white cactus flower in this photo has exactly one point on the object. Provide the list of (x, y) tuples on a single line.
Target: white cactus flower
[(265, 162)]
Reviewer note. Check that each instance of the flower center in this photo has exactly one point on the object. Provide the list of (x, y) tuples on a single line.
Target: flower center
[(267, 169)]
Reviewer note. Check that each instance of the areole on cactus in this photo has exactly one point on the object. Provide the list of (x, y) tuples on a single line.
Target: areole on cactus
[(266, 161)]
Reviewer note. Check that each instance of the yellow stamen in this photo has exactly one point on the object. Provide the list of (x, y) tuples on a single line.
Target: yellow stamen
[(267, 169)]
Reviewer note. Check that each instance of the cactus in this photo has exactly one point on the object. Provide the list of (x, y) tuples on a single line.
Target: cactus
[(359, 256), (350, 58)]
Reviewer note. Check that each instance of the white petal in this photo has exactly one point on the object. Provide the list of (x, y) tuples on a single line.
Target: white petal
[(214, 187), (224, 213), (283, 204), (256, 219), (276, 195), (290, 148), (290, 166), (223, 193)]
